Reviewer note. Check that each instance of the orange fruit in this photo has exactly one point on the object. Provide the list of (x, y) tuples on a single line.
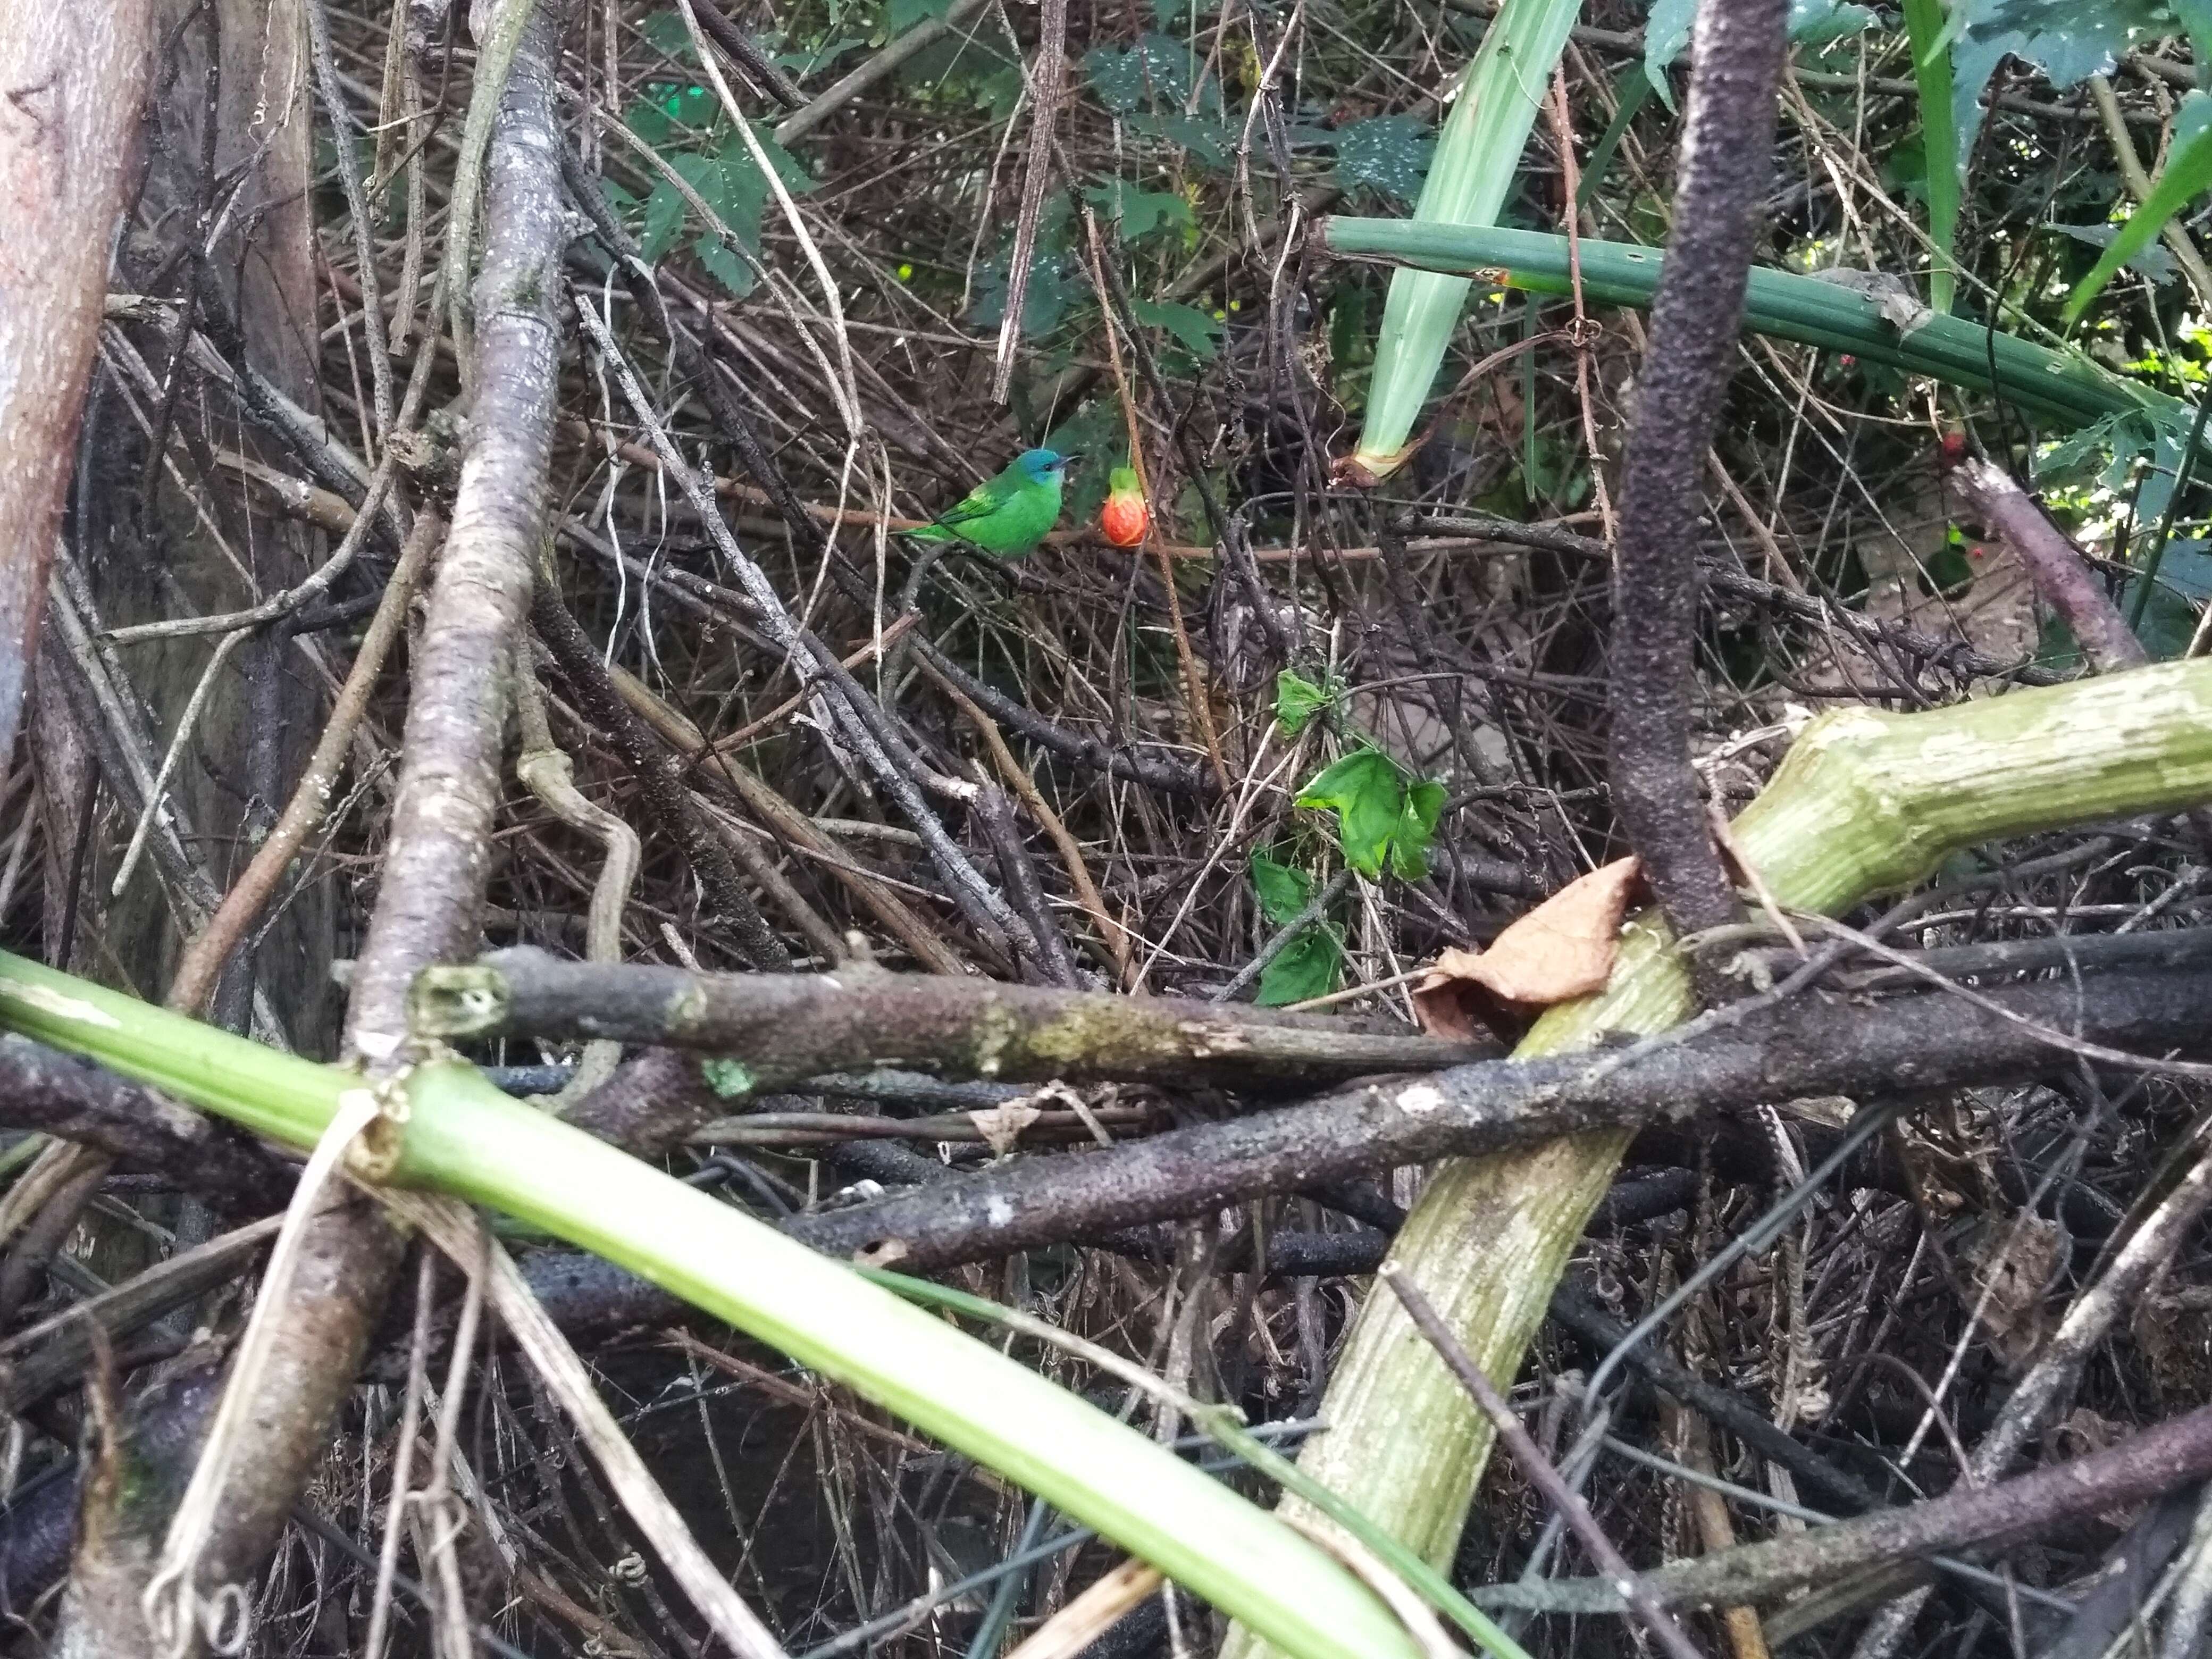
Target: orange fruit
[(1123, 519)]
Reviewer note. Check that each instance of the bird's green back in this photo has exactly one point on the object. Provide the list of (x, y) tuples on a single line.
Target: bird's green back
[(1007, 515)]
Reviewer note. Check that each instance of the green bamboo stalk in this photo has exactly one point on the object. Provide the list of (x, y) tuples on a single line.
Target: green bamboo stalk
[(1478, 157), (464, 1138), (1880, 327), (1865, 803)]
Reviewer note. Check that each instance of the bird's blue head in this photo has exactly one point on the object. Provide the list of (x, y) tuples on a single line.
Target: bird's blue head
[(1044, 466)]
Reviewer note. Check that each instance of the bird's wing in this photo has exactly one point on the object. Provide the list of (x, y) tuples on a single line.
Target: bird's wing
[(985, 499)]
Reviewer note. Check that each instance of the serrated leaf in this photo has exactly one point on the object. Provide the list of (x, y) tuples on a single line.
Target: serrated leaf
[(663, 216), (1389, 155), (1193, 330), (725, 267), (1308, 966), (1283, 889), (1297, 700)]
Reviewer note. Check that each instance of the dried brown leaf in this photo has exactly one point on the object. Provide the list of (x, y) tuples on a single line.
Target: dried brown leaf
[(1562, 948)]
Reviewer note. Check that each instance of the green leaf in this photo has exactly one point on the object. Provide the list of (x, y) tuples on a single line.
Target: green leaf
[(730, 182), (666, 30), (1475, 169), (2150, 261), (2187, 173), (1384, 817), (2168, 620), (1283, 889), (900, 15), (1389, 155), (1304, 969), (1203, 135), (2186, 564), (724, 266), (670, 113), (1056, 284), (1297, 700), (1417, 829), (664, 217), (1193, 330), (1137, 213), (1126, 79), (1811, 22), (2067, 39)]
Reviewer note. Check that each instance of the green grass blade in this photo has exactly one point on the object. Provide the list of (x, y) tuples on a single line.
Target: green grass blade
[(465, 1138), (1478, 155), (1924, 27)]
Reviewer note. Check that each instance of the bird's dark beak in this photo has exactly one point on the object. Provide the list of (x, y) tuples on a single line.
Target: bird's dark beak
[(1069, 463)]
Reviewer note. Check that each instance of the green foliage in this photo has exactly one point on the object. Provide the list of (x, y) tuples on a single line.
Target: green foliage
[(1310, 966), (684, 125), (2067, 39), (1389, 155), (1135, 214), (1297, 700), (1148, 86), (1811, 22), (1283, 889), (2149, 261), (1192, 329), (1307, 966), (2187, 173), (2172, 601), (667, 31), (1057, 281), (1385, 818), (1154, 71), (900, 15)]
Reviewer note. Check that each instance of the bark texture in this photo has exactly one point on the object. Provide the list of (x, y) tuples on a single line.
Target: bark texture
[(71, 78), (1727, 149)]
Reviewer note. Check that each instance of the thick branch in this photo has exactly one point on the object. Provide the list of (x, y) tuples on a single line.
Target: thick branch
[(1695, 316), (2054, 564), (1932, 1041), (786, 1027), (73, 77)]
